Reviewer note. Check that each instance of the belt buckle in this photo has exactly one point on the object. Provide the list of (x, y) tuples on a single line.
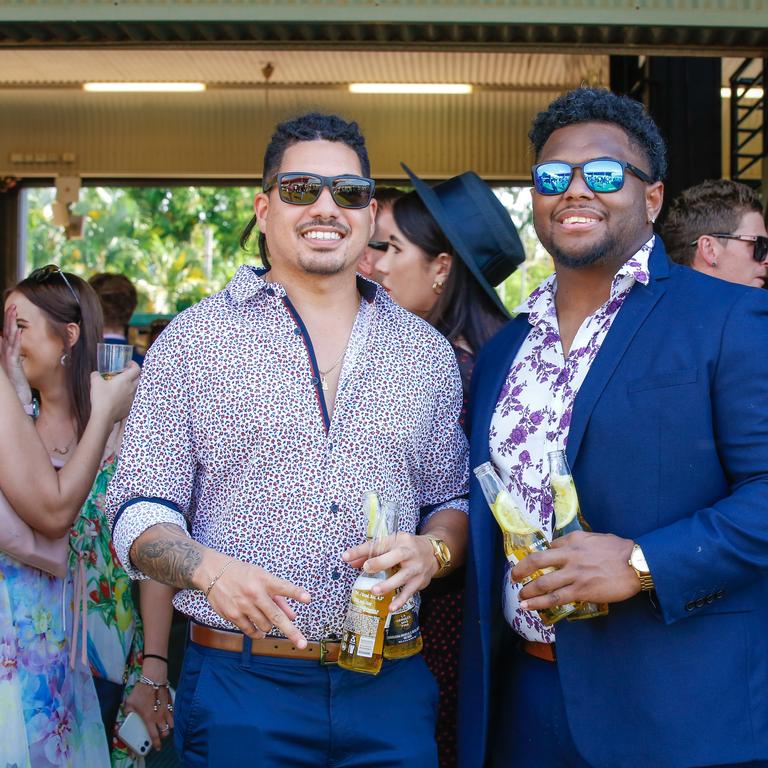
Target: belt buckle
[(324, 651)]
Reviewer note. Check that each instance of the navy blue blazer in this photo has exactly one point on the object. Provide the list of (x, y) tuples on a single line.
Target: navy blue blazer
[(669, 446)]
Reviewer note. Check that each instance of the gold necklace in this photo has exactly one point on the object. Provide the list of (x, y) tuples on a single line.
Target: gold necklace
[(65, 450), (323, 374)]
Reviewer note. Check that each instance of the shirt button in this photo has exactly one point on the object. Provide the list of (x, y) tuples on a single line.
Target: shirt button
[(297, 331), (335, 574), (334, 507), (315, 381), (270, 291)]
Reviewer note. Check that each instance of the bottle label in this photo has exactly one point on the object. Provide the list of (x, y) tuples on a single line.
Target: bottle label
[(404, 626), (367, 614)]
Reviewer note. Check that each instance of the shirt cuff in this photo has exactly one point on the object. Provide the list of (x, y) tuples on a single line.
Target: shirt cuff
[(429, 512), (133, 518)]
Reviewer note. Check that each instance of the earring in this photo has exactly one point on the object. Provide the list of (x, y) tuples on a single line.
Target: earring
[(437, 287), (63, 360), (714, 263)]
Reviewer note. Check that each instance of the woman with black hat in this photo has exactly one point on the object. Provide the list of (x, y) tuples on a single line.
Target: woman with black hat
[(450, 245)]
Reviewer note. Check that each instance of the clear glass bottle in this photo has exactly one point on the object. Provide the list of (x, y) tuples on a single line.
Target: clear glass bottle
[(402, 637), (362, 637), (568, 518), (520, 537)]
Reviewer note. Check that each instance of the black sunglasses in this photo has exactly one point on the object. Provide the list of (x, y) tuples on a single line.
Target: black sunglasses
[(378, 245), (759, 254), (41, 274), (603, 174), (304, 188)]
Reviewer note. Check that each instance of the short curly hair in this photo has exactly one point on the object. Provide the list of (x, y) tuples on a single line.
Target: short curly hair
[(716, 205), (312, 126), (599, 105)]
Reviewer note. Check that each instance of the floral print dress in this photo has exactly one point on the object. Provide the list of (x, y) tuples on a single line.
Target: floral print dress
[(49, 713), (103, 591)]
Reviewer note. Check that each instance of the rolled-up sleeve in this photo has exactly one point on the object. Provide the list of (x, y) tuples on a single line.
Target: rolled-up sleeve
[(445, 467), (156, 470)]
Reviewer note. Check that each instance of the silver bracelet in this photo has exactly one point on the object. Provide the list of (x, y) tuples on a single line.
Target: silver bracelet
[(218, 576)]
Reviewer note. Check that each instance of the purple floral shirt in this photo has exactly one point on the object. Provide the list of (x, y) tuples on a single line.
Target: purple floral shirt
[(229, 437), (533, 414)]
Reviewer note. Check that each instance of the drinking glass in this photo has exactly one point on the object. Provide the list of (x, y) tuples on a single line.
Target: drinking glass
[(113, 358)]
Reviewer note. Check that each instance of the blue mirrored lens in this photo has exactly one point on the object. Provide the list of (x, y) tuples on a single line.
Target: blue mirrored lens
[(603, 175), (552, 178)]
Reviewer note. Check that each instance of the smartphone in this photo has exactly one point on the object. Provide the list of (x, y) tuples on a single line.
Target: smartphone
[(133, 733)]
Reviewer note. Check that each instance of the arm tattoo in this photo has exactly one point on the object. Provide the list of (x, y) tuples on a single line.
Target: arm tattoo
[(165, 554)]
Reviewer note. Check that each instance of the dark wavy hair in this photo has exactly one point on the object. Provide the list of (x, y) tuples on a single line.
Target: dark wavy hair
[(51, 294), (313, 126), (463, 309), (717, 205), (599, 105)]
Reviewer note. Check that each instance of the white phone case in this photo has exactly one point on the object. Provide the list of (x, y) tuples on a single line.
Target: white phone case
[(133, 733)]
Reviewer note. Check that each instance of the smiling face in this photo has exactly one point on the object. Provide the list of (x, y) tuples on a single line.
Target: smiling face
[(580, 227), (41, 346), (321, 238)]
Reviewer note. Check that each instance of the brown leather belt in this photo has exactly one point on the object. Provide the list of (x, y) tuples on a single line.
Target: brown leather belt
[(324, 652), (543, 651)]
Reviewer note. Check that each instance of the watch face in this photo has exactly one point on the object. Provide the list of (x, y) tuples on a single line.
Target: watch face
[(638, 560)]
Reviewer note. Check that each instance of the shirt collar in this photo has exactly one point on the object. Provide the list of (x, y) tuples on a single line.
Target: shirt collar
[(248, 282), (541, 303)]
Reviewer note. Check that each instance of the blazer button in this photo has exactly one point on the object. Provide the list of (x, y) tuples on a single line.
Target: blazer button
[(690, 606)]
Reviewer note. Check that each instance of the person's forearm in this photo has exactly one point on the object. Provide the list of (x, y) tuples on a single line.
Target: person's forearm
[(165, 553), (451, 526), (156, 614), (46, 500)]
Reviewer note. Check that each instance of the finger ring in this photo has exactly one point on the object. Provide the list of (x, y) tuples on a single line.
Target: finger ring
[(170, 707), (164, 727)]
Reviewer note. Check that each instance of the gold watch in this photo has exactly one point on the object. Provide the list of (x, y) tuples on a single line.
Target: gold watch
[(442, 554), (639, 565)]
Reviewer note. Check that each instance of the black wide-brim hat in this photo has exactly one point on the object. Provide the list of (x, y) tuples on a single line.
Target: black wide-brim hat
[(477, 225)]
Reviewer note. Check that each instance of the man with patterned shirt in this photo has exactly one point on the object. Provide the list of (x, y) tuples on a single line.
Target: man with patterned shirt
[(655, 380), (263, 416)]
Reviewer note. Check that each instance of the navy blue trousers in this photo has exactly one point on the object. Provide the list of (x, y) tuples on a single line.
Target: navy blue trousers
[(241, 709)]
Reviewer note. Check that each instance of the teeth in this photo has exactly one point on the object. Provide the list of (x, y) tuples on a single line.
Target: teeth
[(314, 234), (578, 220)]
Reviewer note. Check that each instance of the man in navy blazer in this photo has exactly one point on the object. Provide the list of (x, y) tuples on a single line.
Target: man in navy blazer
[(655, 377)]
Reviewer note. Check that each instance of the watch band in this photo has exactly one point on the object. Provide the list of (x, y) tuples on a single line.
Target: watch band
[(442, 554), (646, 579)]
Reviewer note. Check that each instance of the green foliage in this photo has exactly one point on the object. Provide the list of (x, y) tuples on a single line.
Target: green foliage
[(177, 244)]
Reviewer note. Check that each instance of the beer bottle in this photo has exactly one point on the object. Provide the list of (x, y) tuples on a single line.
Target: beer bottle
[(520, 537), (402, 637), (362, 637), (568, 518)]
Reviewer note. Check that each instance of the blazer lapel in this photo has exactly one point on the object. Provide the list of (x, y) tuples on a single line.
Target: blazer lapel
[(631, 316)]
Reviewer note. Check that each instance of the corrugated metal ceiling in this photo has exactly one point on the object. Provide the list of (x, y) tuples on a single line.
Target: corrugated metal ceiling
[(521, 70)]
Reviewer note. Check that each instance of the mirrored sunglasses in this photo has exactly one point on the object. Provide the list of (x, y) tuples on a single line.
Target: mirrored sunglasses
[(603, 175), (305, 188), (42, 274), (759, 254)]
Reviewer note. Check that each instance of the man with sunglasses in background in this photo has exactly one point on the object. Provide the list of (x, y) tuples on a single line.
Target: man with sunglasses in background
[(655, 381), (718, 228), (264, 415)]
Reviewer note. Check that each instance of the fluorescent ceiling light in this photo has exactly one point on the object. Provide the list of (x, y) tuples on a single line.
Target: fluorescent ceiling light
[(144, 87), (440, 88), (751, 93)]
